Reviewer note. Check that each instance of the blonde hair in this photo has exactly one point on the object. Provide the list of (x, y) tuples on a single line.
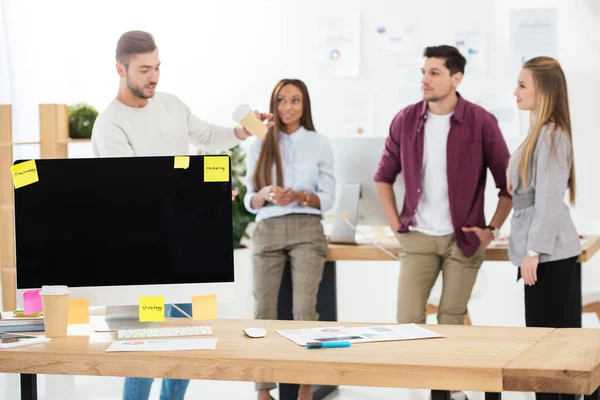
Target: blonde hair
[(552, 106)]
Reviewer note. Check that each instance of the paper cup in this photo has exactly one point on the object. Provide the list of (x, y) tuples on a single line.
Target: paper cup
[(248, 119), (55, 304)]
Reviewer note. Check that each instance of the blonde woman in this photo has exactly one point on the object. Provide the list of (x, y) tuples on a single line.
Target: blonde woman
[(544, 242)]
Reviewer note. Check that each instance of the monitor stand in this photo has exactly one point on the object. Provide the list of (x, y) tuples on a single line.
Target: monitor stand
[(347, 211), (122, 317)]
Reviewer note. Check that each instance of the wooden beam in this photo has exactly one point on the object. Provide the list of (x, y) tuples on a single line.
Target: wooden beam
[(7, 232), (54, 130)]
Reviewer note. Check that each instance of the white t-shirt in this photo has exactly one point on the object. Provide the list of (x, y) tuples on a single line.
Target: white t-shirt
[(164, 127), (433, 212)]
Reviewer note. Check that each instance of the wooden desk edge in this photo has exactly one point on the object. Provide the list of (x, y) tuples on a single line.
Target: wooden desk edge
[(342, 252), (524, 380), (520, 379)]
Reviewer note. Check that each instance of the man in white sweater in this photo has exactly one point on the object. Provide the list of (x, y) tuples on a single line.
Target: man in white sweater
[(143, 122)]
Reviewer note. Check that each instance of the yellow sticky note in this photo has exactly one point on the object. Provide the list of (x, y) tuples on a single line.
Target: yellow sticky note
[(216, 169), (24, 173), (204, 307), (182, 162), (152, 308), (79, 311)]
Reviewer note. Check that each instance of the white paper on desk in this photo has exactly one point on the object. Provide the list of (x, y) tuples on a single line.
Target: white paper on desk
[(303, 336), (386, 333), (164, 345), (366, 334)]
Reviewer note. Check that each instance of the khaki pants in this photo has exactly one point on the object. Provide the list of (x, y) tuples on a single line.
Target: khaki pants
[(422, 258), (300, 238)]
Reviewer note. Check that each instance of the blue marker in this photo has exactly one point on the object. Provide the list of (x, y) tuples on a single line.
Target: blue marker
[(327, 345)]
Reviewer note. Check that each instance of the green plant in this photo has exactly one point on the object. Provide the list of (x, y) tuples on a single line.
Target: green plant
[(81, 120), (241, 217)]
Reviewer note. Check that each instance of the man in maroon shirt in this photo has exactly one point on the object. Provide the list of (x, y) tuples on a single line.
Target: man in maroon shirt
[(443, 145)]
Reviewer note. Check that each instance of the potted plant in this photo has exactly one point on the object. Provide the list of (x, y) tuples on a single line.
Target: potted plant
[(241, 217), (81, 120), (242, 254)]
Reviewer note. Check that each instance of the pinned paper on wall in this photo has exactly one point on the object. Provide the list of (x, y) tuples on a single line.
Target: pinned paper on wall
[(216, 169), (152, 308), (409, 94), (339, 43), (32, 302), (533, 33), (79, 311), (182, 162), (504, 108), (204, 307), (24, 173), (359, 114), (471, 44), (398, 40)]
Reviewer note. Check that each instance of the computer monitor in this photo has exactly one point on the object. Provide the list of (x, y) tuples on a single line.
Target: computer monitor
[(355, 161), (115, 229)]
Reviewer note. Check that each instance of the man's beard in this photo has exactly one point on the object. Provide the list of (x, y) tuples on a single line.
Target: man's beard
[(137, 92), (435, 99)]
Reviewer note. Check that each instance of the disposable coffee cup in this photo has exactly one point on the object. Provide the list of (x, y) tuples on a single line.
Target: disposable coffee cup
[(244, 115), (55, 304)]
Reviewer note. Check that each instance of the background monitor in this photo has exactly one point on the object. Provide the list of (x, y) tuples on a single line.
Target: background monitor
[(115, 229), (357, 202)]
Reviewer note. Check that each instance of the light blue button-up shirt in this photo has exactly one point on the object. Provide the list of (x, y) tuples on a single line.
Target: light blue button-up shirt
[(307, 159)]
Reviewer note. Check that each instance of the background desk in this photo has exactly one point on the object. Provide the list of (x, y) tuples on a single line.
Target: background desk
[(490, 359), (327, 296), (368, 252)]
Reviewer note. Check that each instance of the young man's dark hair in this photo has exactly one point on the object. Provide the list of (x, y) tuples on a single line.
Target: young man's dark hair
[(455, 61), (132, 43)]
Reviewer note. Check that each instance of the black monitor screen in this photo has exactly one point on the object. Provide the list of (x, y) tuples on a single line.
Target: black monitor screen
[(124, 221)]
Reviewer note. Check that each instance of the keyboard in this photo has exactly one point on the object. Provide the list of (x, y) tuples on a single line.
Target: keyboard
[(164, 332)]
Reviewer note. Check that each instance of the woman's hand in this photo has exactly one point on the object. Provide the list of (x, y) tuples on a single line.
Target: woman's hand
[(529, 270), (283, 197), (266, 193)]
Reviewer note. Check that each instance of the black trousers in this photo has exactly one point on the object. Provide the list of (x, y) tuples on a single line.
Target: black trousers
[(552, 302)]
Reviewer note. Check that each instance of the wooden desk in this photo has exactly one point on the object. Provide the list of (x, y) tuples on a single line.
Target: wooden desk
[(368, 252), (563, 361), (327, 296), (469, 358)]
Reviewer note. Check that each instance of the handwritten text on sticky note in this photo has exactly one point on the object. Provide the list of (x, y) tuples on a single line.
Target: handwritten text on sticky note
[(182, 162), (79, 311), (216, 169), (32, 302), (204, 307), (152, 308), (24, 173)]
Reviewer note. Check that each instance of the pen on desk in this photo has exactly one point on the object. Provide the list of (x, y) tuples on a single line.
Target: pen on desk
[(327, 345), (337, 339)]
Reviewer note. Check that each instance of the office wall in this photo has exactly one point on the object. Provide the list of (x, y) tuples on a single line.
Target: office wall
[(218, 54)]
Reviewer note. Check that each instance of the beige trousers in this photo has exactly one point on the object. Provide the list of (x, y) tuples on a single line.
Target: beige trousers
[(422, 258), (300, 238)]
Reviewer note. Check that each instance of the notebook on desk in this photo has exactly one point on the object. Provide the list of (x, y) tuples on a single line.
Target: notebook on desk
[(10, 323)]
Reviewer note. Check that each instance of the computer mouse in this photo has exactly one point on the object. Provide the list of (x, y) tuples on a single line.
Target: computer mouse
[(255, 332)]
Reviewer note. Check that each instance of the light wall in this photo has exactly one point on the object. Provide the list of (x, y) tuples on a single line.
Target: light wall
[(217, 54)]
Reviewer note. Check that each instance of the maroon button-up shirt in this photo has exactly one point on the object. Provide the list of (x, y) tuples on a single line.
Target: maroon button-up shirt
[(475, 143)]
